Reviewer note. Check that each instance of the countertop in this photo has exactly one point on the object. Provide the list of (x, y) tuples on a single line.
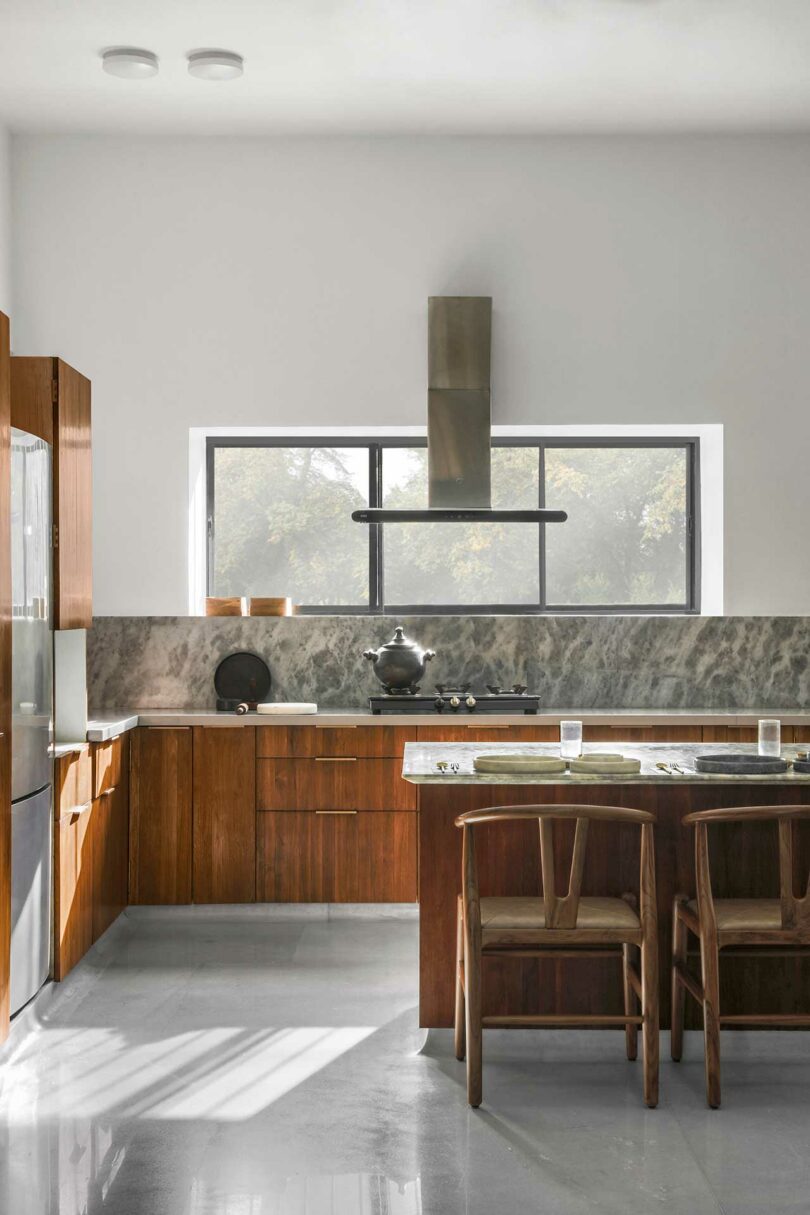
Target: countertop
[(108, 723), (420, 759)]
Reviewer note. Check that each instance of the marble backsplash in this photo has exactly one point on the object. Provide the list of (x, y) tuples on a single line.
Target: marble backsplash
[(586, 662)]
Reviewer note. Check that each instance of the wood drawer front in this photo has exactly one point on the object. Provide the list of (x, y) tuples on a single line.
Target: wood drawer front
[(74, 782), (643, 734), (110, 764), (473, 733), (749, 734), (333, 784), (337, 858), (306, 742)]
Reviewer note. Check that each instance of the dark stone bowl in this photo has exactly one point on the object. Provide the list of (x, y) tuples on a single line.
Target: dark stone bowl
[(802, 766), (740, 765)]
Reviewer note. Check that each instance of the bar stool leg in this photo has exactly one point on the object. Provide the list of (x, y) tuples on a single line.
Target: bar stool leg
[(679, 943), (710, 967), (630, 1031), (649, 967), (460, 1043)]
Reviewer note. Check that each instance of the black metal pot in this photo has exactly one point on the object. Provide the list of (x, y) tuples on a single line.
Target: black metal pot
[(400, 664)]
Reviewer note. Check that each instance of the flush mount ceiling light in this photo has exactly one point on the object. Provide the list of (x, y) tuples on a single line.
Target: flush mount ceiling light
[(215, 65), (129, 62)]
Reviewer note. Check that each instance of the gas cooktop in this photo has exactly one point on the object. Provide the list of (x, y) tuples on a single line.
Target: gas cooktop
[(459, 699)]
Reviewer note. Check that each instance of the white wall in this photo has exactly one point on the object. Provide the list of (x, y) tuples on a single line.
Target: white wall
[(227, 282), (5, 222)]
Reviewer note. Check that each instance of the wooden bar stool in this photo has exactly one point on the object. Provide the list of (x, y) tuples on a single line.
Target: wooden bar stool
[(759, 925), (554, 926)]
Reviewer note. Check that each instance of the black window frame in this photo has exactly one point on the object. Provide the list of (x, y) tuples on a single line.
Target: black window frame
[(376, 447)]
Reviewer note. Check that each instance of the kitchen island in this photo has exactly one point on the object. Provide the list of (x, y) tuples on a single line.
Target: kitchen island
[(745, 864)]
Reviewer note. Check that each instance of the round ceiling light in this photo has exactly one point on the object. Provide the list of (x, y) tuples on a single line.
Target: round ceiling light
[(129, 62), (215, 65)]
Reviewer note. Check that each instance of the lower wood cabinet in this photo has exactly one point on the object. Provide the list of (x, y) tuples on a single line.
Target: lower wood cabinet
[(224, 832), (91, 843), (110, 830), (160, 815), (323, 857), (73, 889)]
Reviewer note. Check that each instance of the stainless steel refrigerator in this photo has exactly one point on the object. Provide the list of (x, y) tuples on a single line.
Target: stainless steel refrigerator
[(32, 716)]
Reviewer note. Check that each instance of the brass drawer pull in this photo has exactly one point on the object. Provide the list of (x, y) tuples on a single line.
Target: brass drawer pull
[(470, 727), (335, 759), (75, 811), (335, 811), (323, 726)]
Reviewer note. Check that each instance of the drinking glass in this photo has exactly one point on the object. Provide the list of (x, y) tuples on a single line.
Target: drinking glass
[(770, 737), (570, 739)]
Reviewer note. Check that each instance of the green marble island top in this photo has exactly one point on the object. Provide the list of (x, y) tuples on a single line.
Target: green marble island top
[(419, 764)]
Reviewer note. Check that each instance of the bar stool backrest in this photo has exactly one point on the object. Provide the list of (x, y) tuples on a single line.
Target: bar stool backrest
[(795, 909), (560, 910)]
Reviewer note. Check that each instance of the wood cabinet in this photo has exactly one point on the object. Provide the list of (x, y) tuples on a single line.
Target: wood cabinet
[(73, 860), (5, 676), (160, 815), (333, 783), (73, 889), (224, 835), (90, 847), (323, 857), (51, 399), (110, 832)]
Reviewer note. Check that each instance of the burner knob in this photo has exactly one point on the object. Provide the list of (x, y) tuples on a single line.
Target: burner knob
[(438, 704), (470, 702), (454, 702)]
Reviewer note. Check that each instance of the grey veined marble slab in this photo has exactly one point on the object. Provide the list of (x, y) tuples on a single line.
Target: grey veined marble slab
[(419, 764), (594, 662)]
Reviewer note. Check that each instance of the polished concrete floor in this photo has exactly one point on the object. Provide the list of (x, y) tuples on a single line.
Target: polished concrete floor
[(212, 1065)]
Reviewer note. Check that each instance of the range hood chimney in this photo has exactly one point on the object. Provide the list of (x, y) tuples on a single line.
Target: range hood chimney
[(459, 422)]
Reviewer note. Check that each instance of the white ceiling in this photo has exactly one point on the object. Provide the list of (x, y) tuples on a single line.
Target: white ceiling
[(432, 66)]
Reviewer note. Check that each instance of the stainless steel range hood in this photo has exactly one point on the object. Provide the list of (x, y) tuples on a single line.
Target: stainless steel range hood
[(459, 422)]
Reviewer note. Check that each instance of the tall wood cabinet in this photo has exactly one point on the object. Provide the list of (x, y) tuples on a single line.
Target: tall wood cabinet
[(51, 399), (5, 675)]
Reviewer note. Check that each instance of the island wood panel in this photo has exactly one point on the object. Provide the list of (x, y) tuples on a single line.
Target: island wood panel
[(5, 676), (32, 395), (160, 815), (306, 742), (73, 515), (509, 864), (326, 784), (337, 858), (224, 834), (110, 851), (471, 732), (73, 888)]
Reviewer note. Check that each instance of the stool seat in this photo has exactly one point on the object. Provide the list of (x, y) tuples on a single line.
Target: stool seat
[(593, 914), (745, 915)]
